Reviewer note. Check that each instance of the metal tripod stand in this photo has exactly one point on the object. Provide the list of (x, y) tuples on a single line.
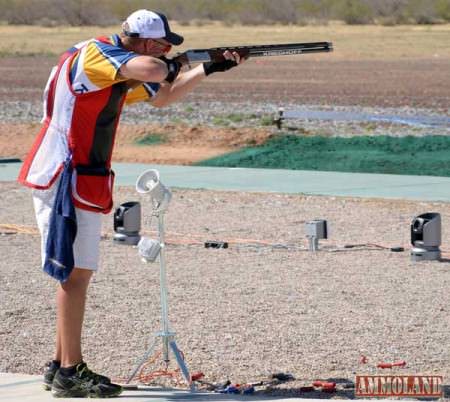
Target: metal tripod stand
[(167, 337)]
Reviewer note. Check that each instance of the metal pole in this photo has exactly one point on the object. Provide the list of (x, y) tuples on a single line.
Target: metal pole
[(163, 281), (182, 365), (143, 360), (313, 243)]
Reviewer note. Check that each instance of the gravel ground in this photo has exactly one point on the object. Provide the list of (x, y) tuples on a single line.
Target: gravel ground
[(250, 310), (251, 114)]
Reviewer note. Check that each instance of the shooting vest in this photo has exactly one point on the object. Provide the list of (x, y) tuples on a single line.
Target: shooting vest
[(79, 126)]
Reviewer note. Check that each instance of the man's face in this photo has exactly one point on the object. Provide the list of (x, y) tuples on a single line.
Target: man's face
[(152, 47)]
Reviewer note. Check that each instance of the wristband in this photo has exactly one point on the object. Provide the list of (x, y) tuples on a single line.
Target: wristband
[(173, 68), (215, 67)]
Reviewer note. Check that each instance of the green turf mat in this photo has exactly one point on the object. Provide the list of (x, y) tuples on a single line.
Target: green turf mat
[(382, 154)]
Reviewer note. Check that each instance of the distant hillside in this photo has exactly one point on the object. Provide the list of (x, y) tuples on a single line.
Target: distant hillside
[(104, 12)]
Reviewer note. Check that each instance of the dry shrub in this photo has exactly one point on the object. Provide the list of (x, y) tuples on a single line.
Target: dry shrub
[(188, 12)]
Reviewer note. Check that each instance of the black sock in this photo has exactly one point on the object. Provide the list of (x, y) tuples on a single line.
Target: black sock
[(68, 371), (54, 365)]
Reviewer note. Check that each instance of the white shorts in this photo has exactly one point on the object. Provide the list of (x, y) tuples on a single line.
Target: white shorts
[(86, 248)]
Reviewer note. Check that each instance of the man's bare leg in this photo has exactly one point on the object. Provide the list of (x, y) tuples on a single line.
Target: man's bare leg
[(71, 301), (69, 381), (58, 346)]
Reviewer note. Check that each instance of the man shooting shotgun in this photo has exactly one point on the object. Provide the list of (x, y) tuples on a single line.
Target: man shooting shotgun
[(69, 165)]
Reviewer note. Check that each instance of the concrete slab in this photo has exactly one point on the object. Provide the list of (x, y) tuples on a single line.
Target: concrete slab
[(421, 188), (27, 388), (424, 188)]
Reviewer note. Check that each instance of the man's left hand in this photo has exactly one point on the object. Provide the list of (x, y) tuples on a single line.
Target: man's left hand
[(231, 60)]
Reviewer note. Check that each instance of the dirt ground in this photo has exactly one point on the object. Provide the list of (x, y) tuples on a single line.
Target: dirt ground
[(312, 81), (263, 305), (416, 83), (183, 145)]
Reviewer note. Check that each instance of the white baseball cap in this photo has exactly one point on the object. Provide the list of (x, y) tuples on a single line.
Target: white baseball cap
[(150, 25)]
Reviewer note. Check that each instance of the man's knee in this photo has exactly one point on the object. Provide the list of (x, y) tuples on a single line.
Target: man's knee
[(79, 278)]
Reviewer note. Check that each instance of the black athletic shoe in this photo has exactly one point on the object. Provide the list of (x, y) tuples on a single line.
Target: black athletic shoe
[(53, 367), (84, 384), (49, 374)]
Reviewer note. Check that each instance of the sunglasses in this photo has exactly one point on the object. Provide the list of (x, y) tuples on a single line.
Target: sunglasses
[(165, 47)]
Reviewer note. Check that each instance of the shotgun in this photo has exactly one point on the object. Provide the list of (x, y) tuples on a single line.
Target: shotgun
[(215, 54)]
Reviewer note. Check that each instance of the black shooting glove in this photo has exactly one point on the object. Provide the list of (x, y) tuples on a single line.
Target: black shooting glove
[(215, 67), (174, 68)]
